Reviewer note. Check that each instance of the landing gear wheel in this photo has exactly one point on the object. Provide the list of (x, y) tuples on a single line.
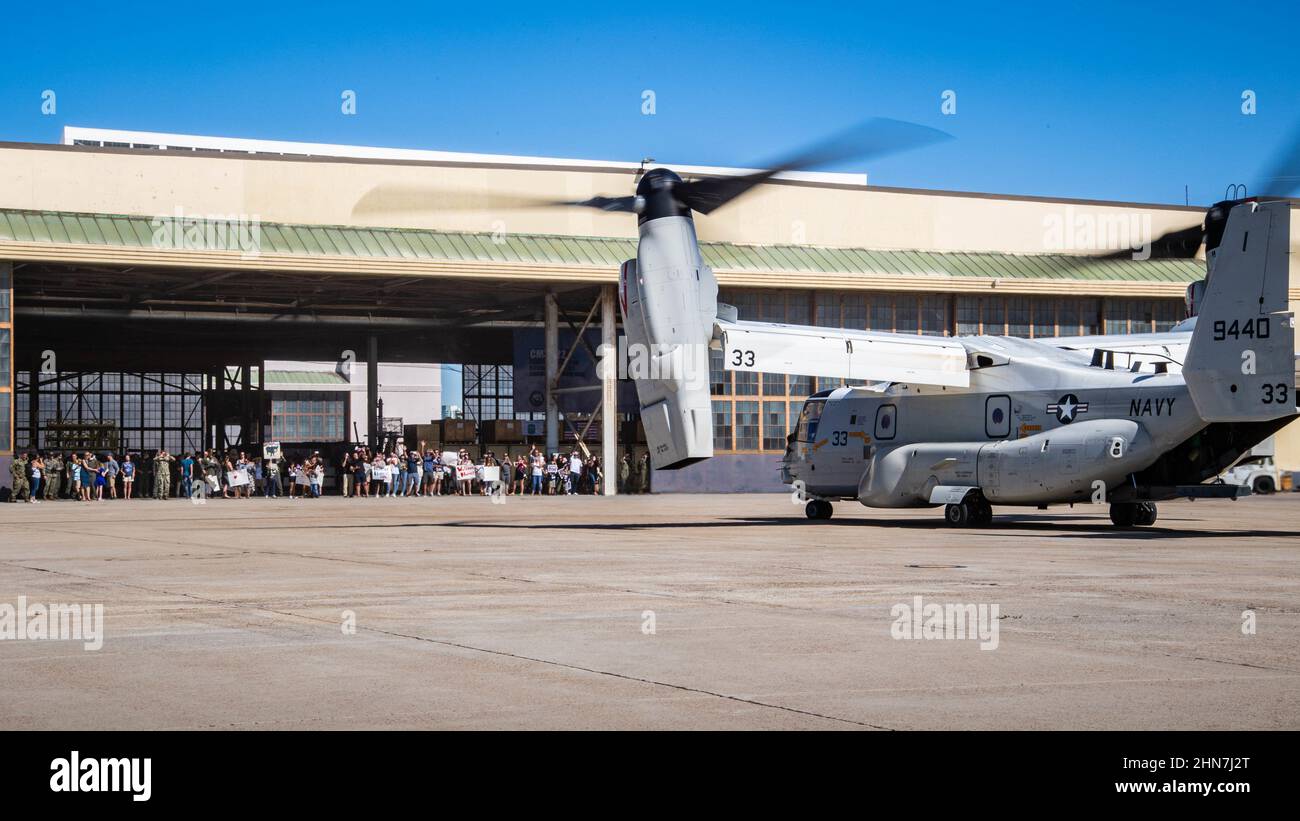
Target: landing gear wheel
[(818, 509), (1146, 514), (982, 515), (957, 515), (1125, 514)]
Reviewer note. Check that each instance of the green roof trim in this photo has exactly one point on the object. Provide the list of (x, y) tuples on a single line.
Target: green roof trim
[(304, 378), (550, 249)]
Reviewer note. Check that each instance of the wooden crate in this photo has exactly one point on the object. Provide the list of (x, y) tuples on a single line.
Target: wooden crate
[(506, 430), (459, 430)]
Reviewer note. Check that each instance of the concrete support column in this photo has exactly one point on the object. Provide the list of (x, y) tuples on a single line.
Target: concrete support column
[(552, 371), (372, 391), (609, 391)]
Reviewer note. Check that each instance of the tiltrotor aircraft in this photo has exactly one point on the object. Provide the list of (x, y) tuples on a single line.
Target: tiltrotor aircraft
[(970, 422)]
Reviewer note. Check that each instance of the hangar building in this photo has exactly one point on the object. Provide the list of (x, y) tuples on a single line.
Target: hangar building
[(146, 280)]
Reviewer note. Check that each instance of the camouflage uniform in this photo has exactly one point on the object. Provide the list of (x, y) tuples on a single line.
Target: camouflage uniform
[(53, 477), (162, 474), (634, 475), (18, 470)]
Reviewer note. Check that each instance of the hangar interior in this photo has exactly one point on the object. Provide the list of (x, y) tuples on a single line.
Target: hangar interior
[(103, 322)]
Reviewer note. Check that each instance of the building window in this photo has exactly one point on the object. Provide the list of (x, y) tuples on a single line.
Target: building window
[(774, 429), (121, 410), (746, 426), (1142, 317), (994, 319), (1116, 316), (308, 416), (721, 425), (801, 386), (797, 308), (1044, 318), (489, 392), (882, 312), (855, 312), (1018, 316), (828, 310), (772, 306), (907, 308), (1168, 314), (719, 376), (746, 383), (774, 384), (934, 315), (1089, 317), (968, 315)]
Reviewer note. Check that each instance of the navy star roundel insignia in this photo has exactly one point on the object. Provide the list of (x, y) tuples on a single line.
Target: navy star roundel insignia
[(1067, 408)]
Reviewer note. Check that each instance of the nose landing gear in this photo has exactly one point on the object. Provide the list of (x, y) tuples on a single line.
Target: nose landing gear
[(973, 511)]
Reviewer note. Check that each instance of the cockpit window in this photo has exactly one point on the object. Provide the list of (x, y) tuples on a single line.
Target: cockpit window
[(808, 419)]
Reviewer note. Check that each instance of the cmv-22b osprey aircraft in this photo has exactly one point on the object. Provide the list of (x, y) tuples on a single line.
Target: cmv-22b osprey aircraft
[(970, 422)]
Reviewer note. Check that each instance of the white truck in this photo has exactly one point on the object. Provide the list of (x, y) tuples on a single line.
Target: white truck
[(1256, 470)]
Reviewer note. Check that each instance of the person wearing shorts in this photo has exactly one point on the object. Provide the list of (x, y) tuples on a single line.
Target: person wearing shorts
[(128, 476)]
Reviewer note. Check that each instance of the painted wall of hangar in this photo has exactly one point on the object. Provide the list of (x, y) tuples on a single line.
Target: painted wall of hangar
[(350, 248)]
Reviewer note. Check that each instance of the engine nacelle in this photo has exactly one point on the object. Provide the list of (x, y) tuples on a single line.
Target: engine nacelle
[(1065, 462), (669, 300)]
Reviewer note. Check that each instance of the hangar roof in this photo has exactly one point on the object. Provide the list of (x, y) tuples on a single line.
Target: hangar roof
[(304, 378), (279, 242)]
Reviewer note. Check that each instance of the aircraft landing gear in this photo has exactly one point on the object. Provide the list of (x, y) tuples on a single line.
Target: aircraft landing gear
[(1133, 514), (974, 511), (818, 509)]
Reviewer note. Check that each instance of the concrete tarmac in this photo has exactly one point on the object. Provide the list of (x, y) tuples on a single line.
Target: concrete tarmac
[(649, 612)]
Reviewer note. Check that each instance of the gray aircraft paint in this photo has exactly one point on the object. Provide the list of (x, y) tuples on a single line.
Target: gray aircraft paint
[(1038, 423)]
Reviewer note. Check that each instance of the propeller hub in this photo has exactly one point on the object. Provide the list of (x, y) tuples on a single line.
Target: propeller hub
[(654, 194)]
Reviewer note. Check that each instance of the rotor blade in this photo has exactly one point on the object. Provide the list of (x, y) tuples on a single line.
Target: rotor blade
[(1282, 176), (626, 204), (405, 199), (1178, 243), (876, 137)]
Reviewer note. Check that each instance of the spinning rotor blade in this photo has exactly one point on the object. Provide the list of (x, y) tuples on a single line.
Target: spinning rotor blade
[(403, 199), (1178, 243), (1282, 177), (876, 137)]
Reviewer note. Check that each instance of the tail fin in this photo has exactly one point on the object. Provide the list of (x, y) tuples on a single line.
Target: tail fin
[(1241, 361)]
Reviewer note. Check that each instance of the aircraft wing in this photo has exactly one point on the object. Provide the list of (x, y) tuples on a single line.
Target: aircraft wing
[(842, 353)]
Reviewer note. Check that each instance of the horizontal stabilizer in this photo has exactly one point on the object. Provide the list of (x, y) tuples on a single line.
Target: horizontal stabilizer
[(840, 353)]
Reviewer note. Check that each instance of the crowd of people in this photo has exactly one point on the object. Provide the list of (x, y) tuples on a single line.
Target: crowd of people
[(425, 472), (361, 472)]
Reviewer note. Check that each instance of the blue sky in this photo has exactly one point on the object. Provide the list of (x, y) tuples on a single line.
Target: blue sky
[(1116, 100)]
